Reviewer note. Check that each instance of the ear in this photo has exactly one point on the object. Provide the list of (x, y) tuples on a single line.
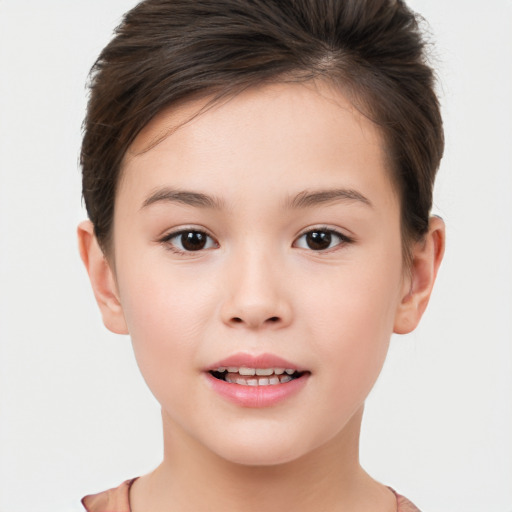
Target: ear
[(426, 258), (102, 279)]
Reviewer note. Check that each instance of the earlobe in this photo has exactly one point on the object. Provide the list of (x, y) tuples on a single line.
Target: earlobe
[(102, 279), (426, 259)]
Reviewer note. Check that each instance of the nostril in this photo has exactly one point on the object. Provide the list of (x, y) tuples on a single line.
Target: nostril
[(272, 319)]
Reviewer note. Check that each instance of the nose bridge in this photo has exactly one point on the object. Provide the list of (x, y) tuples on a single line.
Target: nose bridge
[(256, 294)]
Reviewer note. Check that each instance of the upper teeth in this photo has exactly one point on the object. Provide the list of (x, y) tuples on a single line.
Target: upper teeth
[(243, 370)]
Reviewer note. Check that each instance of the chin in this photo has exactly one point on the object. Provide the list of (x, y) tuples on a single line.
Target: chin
[(261, 450), (261, 458)]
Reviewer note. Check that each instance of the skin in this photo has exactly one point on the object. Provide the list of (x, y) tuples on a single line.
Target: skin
[(258, 287)]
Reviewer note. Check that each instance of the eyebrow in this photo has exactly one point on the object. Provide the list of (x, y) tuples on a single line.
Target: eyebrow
[(304, 199), (184, 197), (307, 198)]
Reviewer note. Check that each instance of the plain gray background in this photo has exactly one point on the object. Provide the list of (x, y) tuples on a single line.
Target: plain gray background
[(76, 416)]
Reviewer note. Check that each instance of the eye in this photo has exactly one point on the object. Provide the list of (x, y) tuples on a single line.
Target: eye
[(321, 239), (189, 240)]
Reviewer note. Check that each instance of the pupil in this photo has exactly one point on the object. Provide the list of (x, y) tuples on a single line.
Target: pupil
[(193, 240), (318, 240)]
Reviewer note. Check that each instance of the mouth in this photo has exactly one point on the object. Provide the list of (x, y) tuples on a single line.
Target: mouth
[(256, 381), (246, 376)]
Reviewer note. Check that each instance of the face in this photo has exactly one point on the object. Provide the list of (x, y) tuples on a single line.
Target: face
[(258, 265)]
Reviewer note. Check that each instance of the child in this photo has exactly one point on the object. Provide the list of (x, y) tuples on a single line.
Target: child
[(258, 176)]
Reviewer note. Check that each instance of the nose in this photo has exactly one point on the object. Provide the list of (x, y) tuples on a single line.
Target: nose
[(256, 293)]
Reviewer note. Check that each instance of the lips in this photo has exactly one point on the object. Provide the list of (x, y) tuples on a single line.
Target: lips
[(256, 381), (261, 361)]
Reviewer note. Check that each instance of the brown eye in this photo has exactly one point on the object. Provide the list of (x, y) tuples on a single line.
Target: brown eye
[(321, 239), (193, 240), (189, 241), (318, 240)]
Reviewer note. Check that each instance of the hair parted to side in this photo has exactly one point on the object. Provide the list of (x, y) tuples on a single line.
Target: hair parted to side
[(167, 51)]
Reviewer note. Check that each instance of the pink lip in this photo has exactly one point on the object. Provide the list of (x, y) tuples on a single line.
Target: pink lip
[(256, 396), (259, 361)]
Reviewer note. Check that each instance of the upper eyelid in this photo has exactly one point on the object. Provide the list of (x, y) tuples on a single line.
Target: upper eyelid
[(179, 231), (336, 231)]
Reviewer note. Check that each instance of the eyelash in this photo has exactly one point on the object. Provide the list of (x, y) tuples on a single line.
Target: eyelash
[(167, 241), (209, 240), (342, 239)]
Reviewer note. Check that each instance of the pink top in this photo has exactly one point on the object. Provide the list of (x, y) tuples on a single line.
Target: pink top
[(118, 500)]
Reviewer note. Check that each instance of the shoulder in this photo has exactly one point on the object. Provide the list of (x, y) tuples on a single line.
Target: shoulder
[(403, 504), (113, 500)]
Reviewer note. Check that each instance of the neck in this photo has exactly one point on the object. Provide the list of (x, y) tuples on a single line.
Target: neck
[(191, 477)]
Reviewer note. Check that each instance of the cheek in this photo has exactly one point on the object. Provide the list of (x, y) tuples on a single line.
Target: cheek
[(162, 300), (354, 317), (166, 316)]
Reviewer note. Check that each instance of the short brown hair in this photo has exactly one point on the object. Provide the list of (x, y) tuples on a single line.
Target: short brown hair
[(168, 51)]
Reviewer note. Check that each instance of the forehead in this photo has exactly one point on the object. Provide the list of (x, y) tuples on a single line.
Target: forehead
[(308, 131), (319, 98)]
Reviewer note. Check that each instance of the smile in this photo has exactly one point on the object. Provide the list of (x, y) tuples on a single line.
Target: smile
[(245, 376), (256, 381)]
